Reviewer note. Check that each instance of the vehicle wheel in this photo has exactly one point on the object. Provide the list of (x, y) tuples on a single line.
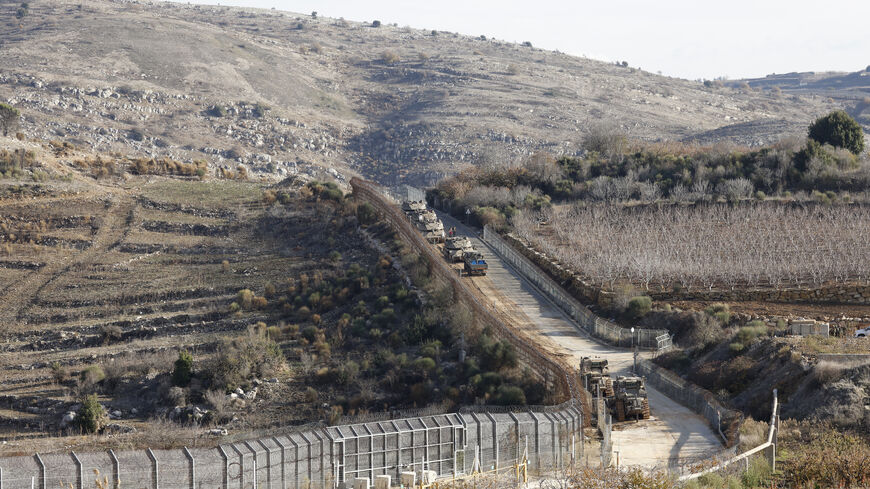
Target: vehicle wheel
[(620, 410), (861, 335)]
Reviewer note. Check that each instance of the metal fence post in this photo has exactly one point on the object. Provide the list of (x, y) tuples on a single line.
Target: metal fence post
[(80, 473), (155, 470), (41, 470), (254, 456), (241, 465), (116, 470), (283, 460), (226, 482), (192, 469)]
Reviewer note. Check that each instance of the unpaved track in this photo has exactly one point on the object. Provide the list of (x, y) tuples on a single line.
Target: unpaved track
[(18, 296), (673, 435)]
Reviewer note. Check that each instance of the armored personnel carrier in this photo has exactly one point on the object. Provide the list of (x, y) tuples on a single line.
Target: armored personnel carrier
[(630, 398), (595, 376), (411, 207), (455, 247)]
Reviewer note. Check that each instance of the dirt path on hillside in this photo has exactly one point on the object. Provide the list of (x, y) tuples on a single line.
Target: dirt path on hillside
[(18, 296)]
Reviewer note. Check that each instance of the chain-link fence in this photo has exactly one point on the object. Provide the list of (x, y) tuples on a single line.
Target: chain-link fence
[(450, 445), (655, 339), (553, 372), (725, 421)]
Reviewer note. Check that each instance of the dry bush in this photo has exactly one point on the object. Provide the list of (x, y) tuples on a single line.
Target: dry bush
[(251, 355), (176, 396), (605, 138), (218, 401), (167, 166), (826, 372), (390, 58)]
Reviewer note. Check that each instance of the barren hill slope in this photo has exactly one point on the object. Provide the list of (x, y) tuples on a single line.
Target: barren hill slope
[(389, 102)]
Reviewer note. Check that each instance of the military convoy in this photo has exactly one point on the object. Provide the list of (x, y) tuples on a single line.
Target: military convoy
[(456, 248), (624, 398), (425, 220)]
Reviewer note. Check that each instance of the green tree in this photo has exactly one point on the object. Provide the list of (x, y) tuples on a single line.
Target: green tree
[(91, 416), (183, 370), (9, 116), (839, 130), (639, 306)]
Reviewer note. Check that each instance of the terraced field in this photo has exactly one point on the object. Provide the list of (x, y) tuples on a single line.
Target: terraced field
[(123, 279)]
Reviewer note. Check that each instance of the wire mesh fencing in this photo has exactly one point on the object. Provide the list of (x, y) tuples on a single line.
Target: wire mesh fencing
[(655, 339)]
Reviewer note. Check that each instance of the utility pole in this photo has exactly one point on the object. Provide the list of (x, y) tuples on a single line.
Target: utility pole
[(634, 349)]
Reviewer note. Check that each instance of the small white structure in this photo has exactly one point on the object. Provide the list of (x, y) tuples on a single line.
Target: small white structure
[(382, 481), (427, 476), (408, 479), (361, 483)]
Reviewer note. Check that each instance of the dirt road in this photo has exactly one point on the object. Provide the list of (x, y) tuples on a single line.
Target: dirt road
[(672, 436)]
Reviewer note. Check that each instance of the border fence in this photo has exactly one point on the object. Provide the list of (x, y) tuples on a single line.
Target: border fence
[(725, 421), (655, 339), (448, 444), (555, 373)]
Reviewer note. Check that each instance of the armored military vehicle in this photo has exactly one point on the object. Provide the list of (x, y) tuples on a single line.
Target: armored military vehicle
[(411, 207), (456, 246), (630, 399), (595, 376)]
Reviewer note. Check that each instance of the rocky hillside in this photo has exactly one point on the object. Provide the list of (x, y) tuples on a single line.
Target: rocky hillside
[(279, 91)]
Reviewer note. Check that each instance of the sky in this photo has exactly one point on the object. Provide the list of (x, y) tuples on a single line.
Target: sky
[(684, 38)]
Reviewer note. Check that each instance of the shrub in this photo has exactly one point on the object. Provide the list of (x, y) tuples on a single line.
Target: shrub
[(91, 417), (217, 111), (260, 110), (310, 394), (245, 298), (750, 332), (110, 332), (8, 118), (92, 375), (424, 365), (721, 312), (59, 373), (376, 23), (838, 129), (176, 396), (390, 57), (183, 370), (638, 307), (250, 355), (509, 395)]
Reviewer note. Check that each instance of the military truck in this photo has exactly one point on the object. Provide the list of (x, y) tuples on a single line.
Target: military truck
[(630, 399), (473, 263), (595, 376), (456, 246)]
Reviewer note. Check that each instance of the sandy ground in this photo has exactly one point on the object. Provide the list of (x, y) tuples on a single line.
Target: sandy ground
[(674, 434)]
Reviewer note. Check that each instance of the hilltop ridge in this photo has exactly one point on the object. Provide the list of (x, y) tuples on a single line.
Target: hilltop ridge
[(279, 91)]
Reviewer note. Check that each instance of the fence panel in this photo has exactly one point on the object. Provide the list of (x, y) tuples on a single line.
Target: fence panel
[(598, 327)]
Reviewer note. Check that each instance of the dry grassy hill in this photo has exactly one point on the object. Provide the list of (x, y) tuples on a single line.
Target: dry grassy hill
[(393, 103)]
